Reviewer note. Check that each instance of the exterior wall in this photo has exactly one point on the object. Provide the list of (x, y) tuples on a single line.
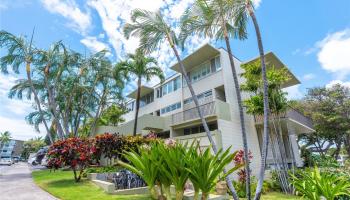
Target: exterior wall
[(231, 130), (226, 114), (11, 148)]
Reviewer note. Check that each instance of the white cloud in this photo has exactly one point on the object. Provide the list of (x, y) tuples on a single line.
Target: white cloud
[(334, 53), (333, 82), (93, 44), (293, 92), (257, 3), (13, 111), (69, 9), (308, 77), (19, 128)]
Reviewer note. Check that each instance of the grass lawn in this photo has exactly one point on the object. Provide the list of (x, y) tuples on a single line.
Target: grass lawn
[(61, 184)]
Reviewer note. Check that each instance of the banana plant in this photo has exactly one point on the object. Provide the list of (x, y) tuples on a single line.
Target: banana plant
[(205, 168)]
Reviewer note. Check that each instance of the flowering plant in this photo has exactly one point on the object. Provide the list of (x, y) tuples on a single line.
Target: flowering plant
[(239, 160)]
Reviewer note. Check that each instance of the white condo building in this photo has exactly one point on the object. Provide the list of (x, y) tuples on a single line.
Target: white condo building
[(167, 108)]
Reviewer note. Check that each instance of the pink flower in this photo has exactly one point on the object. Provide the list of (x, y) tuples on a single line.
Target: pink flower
[(170, 142)]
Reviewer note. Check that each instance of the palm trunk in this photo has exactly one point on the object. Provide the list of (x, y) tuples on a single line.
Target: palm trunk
[(52, 104), (137, 104), (205, 125), (97, 115), (266, 104), (37, 101), (241, 116)]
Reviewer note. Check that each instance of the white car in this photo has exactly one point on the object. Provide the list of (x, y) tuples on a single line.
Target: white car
[(6, 161)]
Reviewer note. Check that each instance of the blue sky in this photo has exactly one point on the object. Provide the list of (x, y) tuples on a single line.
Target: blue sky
[(311, 37)]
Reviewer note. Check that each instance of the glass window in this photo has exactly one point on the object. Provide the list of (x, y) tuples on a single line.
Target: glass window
[(171, 107)]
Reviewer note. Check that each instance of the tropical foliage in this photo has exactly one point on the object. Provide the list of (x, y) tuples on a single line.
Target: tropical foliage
[(69, 89), (5, 137), (316, 185), (167, 163), (75, 153), (108, 145), (329, 108), (32, 146)]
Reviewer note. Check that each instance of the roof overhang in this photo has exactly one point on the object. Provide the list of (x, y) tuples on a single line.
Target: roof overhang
[(196, 58), (144, 90), (272, 60)]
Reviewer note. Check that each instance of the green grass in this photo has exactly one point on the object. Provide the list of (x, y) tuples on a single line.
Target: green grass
[(61, 184)]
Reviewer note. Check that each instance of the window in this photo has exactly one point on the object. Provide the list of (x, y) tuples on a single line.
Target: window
[(130, 106), (199, 96), (147, 99), (170, 108), (169, 87), (215, 64)]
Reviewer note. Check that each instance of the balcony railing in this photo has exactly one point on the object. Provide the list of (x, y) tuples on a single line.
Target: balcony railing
[(192, 113), (291, 114)]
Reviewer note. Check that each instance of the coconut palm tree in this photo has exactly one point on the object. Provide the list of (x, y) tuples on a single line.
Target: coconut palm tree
[(5, 137), (152, 30), (242, 10), (213, 19), (20, 51), (141, 67)]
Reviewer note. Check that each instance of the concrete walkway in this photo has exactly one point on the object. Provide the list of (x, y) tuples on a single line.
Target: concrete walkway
[(16, 183)]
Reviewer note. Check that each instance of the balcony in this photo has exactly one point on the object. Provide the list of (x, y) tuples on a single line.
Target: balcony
[(192, 113), (290, 114)]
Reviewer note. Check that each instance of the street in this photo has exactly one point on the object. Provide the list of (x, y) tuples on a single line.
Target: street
[(16, 184)]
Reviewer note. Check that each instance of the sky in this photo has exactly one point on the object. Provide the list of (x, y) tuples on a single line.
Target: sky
[(311, 37)]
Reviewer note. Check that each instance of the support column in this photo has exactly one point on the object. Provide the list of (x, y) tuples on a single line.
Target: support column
[(292, 136)]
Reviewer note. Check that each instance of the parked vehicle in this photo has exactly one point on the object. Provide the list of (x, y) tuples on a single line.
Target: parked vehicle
[(16, 159), (6, 161)]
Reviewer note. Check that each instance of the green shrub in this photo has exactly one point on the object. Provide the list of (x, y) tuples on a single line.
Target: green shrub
[(106, 169), (316, 185)]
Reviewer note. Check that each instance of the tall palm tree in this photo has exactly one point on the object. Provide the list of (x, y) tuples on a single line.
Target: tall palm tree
[(20, 51), (49, 61), (152, 30), (5, 137), (213, 19), (141, 67), (242, 10)]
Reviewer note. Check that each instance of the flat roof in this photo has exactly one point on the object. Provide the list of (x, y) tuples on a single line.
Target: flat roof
[(144, 90), (196, 58), (272, 60)]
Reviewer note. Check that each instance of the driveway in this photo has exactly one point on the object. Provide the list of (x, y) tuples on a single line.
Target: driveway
[(16, 183)]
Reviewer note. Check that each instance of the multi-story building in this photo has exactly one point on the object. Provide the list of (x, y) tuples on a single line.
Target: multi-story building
[(167, 108), (12, 148)]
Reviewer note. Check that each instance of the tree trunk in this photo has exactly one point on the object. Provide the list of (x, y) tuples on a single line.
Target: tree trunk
[(241, 116), (97, 115), (205, 125), (266, 103), (37, 101), (137, 104), (347, 144), (52, 104)]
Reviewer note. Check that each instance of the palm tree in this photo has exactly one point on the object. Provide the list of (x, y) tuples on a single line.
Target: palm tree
[(20, 51), (48, 61), (241, 10), (139, 66), (152, 30), (213, 19), (5, 137)]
